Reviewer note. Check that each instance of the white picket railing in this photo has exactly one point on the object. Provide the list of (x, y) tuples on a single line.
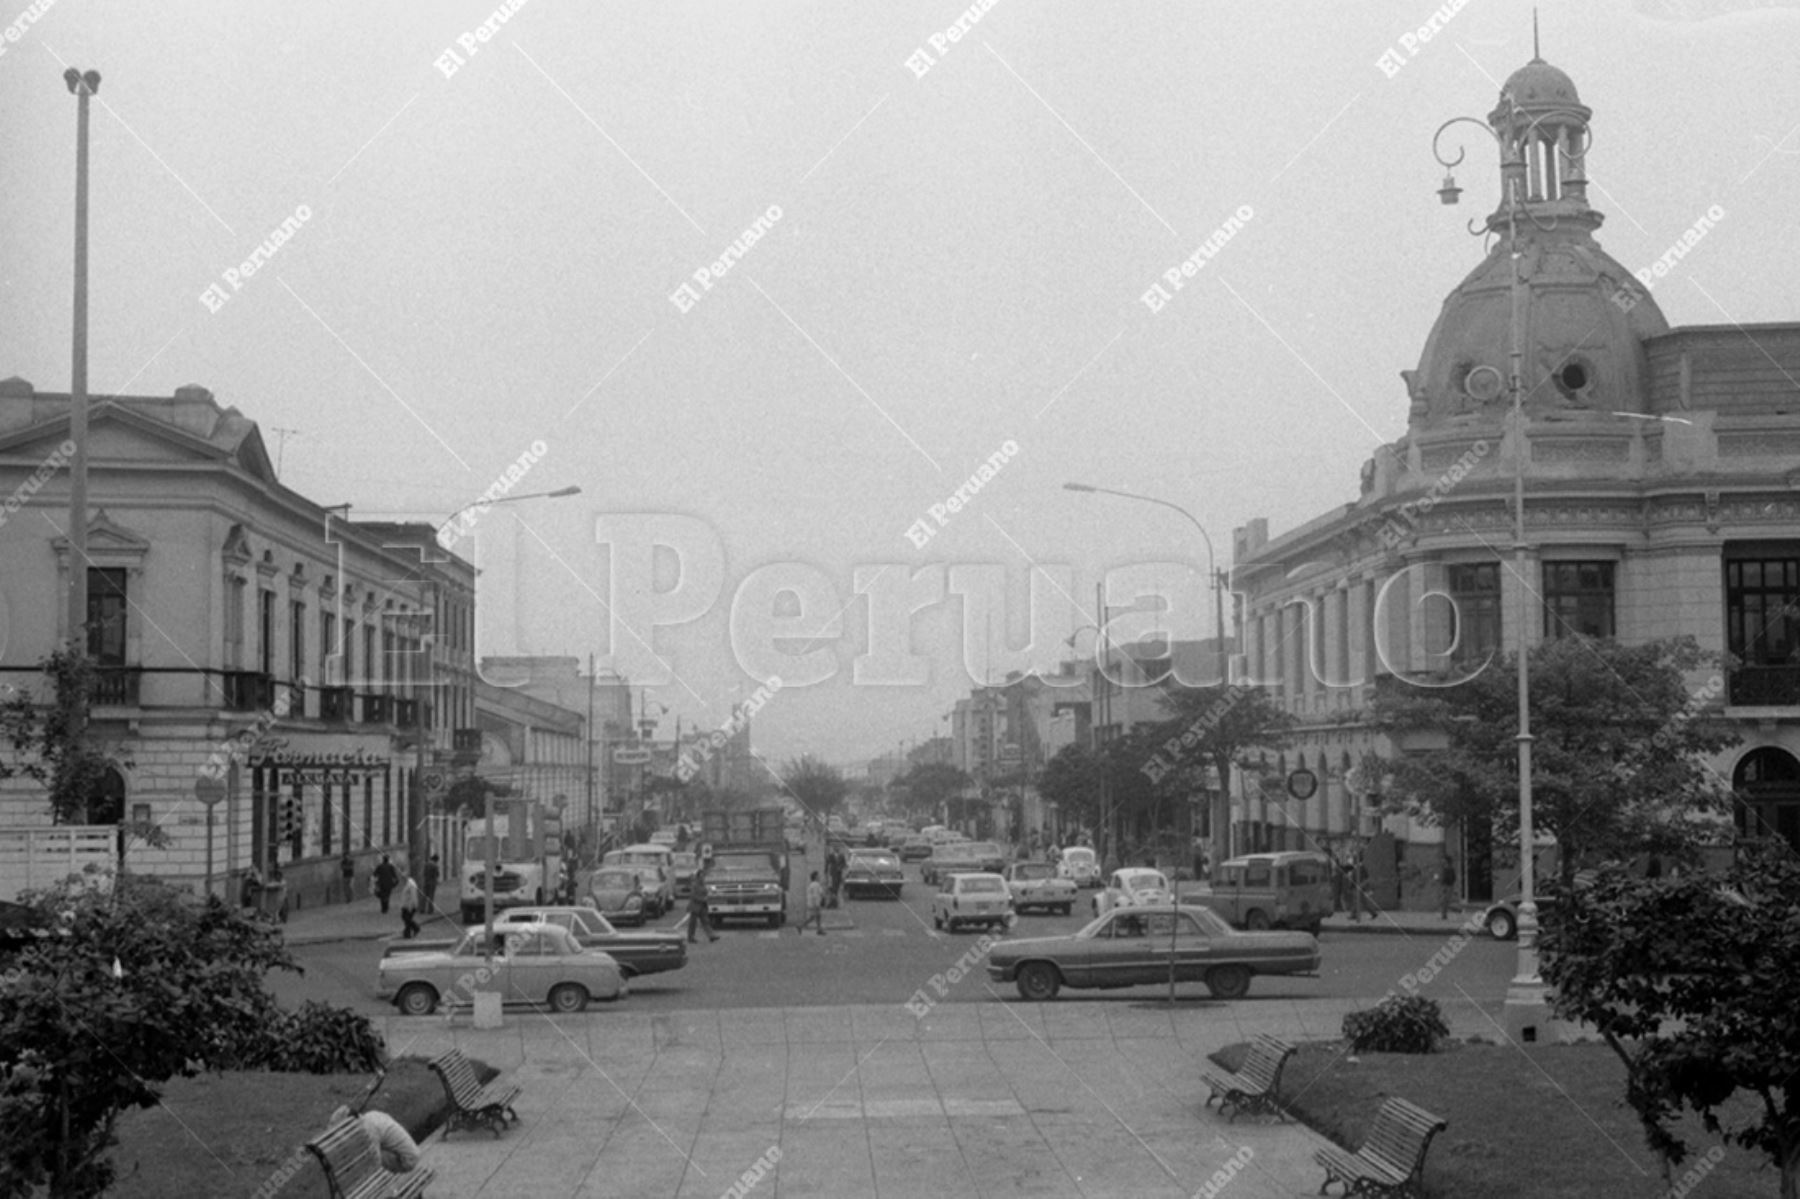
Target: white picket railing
[(34, 858)]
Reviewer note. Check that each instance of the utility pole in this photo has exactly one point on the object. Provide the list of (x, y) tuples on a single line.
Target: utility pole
[(592, 815)]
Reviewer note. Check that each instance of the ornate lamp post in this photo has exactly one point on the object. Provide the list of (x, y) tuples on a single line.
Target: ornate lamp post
[(1543, 148)]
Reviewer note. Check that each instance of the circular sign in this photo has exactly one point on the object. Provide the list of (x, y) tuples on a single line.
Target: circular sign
[(1302, 783), (436, 782), (209, 789), (631, 757)]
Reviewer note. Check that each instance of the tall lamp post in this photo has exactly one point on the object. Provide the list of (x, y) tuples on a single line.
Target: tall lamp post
[(1221, 805), (1542, 136), (84, 86), (415, 839)]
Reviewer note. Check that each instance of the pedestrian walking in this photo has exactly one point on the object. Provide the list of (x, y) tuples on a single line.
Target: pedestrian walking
[(409, 909), (428, 884), (815, 906), (699, 914), (347, 871), (1447, 877), (834, 875), (386, 879), (251, 888)]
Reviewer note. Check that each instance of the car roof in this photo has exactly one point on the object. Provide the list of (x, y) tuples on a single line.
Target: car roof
[(1280, 858), (1138, 871), (963, 874)]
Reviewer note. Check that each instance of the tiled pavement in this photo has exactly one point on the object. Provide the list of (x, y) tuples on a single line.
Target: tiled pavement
[(1077, 1098)]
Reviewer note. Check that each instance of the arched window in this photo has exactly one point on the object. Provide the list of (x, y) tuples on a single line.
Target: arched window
[(107, 804), (1767, 786)]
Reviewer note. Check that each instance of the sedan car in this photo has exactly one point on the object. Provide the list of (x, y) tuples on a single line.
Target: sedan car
[(988, 856), (619, 893), (973, 898), (1079, 865), (915, 847), (637, 953), (874, 871), (951, 857), (539, 963), (1036, 885), (1134, 886), (1133, 946), (683, 867)]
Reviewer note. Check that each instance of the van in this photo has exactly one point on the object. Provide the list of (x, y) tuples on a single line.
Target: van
[(1273, 890)]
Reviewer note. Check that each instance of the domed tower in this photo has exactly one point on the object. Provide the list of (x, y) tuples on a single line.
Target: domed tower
[(1581, 317)]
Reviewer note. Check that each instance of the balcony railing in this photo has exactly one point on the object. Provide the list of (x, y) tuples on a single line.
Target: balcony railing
[(247, 690), (117, 686), (1765, 686), (336, 705), (406, 712), (377, 709)]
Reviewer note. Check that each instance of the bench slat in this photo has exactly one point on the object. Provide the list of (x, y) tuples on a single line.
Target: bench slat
[(1392, 1157), (353, 1168), (470, 1102)]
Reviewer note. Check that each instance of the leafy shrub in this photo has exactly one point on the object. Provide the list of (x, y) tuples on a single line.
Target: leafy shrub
[(320, 1039), (1398, 1024)]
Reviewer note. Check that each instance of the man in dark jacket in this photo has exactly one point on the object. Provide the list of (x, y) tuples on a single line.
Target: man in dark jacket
[(386, 879), (699, 916), (428, 883)]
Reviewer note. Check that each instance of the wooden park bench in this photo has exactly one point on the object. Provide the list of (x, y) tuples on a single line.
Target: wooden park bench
[(472, 1104), (1253, 1087), (353, 1166), (1392, 1158)]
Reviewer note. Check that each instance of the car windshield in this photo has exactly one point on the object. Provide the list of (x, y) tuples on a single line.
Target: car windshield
[(873, 859), (1145, 882), (739, 865), (1039, 870), (978, 885), (986, 849), (1084, 856), (614, 880)]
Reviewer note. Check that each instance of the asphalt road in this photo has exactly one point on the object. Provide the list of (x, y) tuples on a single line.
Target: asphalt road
[(881, 951)]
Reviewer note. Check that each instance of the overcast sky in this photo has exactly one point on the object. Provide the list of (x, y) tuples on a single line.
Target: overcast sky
[(949, 262)]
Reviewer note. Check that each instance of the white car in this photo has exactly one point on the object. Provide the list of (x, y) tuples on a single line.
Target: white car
[(1079, 865), (1036, 885), (1132, 887), (974, 898)]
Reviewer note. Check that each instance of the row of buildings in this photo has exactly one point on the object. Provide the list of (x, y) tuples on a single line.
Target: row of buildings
[(1660, 474), (323, 668)]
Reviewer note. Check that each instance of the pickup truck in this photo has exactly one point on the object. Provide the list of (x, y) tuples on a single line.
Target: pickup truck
[(748, 884)]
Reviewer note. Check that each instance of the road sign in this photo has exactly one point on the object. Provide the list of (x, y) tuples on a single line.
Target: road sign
[(437, 783), (209, 789), (625, 756), (1302, 783)]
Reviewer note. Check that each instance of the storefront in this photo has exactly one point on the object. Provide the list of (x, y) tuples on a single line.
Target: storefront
[(318, 796)]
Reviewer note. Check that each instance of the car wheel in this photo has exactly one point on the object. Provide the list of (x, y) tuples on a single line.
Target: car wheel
[(1256, 920), (1067, 908), (470, 915), (1228, 982), (540, 897), (1502, 925), (1039, 981), (568, 998), (937, 922), (417, 999)]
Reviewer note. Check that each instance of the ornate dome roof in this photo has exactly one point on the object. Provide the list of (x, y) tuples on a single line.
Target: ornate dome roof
[(1583, 323), (1538, 83)]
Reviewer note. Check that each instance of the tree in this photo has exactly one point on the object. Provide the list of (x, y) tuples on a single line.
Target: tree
[(130, 985), (1217, 727), (1618, 742), (50, 742), (1691, 981), (1071, 781), (932, 785), (817, 786)]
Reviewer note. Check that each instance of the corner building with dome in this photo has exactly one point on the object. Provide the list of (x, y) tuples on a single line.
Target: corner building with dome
[(1661, 478)]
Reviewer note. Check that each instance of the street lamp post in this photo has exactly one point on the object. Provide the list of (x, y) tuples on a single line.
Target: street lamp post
[(1514, 132), (1221, 806), (415, 839), (84, 87)]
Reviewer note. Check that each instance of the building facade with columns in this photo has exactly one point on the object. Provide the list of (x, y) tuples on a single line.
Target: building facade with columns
[(1661, 497), (239, 629)]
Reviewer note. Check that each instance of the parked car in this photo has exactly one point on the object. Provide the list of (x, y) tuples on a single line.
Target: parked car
[(1133, 886), (915, 848), (540, 963), (1130, 947), (1502, 916), (873, 870), (648, 952), (1036, 885), (948, 857), (989, 856), (973, 898), (1079, 865), (618, 893), (1272, 890)]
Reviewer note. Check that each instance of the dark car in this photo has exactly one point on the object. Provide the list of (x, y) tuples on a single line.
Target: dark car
[(873, 872), (915, 848), (1130, 947), (637, 953)]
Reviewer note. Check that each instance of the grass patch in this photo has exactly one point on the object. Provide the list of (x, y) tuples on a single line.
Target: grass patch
[(233, 1133), (1549, 1121)]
